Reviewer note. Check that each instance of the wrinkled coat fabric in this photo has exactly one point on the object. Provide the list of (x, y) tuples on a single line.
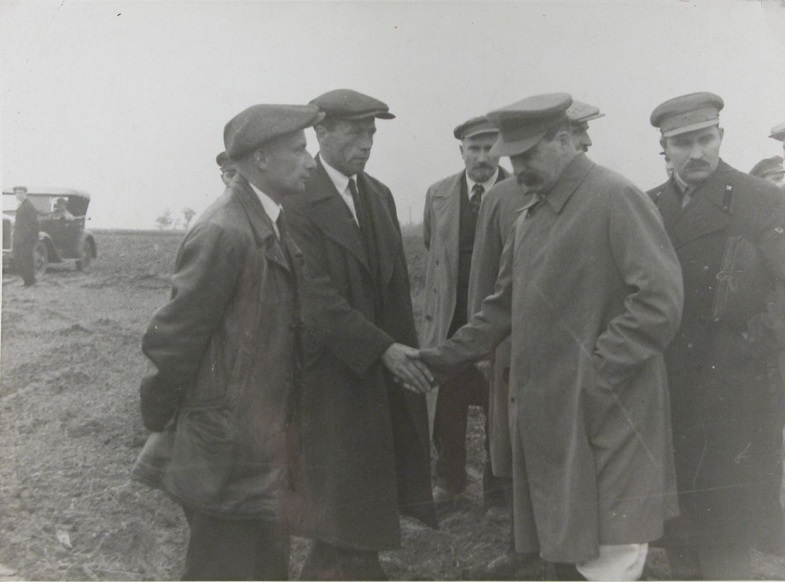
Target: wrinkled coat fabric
[(226, 367), (590, 288)]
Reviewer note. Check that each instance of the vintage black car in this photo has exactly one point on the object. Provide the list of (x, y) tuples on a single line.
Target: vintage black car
[(62, 214)]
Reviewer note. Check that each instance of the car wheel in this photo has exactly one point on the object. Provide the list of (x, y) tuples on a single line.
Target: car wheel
[(87, 256), (40, 258)]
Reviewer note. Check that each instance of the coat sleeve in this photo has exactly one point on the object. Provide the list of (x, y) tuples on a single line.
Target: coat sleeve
[(206, 272), (484, 331), (333, 324), (645, 258)]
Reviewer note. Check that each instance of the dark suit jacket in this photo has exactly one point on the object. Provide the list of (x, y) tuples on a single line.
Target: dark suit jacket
[(365, 442)]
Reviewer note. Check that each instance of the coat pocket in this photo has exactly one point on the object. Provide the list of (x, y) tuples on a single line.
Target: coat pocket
[(203, 456)]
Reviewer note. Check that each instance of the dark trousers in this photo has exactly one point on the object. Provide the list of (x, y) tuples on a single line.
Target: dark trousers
[(328, 562), (449, 434), (24, 262), (230, 549)]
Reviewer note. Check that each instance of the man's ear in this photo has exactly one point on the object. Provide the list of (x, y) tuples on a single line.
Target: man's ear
[(722, 133), (260, 159), (320, 131)]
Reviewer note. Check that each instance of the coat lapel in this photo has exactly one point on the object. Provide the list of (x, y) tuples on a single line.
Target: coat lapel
[(332, 216), (706, 213), (447, 208), (261, 224), (388, 237)]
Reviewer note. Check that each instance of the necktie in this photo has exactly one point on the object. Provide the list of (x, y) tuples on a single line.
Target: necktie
[(476, 199), (357, 202), (686, 197), (281, 226)]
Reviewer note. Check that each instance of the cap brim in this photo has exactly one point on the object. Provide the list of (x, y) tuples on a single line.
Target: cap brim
[(778, 136), (485, 131), (368, 115), (590, 118), (690, 127), (514, 148)]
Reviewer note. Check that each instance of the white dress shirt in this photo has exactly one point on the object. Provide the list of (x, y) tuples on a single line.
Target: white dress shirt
[(486, 185), (341, 183), (271, 207)]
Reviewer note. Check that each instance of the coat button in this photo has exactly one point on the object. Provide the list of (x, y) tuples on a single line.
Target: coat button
[(689, 346), (437, 261)]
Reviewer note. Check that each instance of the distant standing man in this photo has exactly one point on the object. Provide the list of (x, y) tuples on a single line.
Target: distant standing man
[(365, 445), (728, 231), (449, 225), (501, 207), (589, 287), (222, 400), (25, 236), (228, 169)]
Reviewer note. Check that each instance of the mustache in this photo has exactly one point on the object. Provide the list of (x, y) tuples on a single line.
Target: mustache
[(696, 165)]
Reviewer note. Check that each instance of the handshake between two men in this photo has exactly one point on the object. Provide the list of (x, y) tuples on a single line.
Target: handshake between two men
[(405, 365)]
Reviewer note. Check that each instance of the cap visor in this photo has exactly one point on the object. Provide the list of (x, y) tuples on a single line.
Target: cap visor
[(691, 127), (367, 115), (514, 148), (486, 131)]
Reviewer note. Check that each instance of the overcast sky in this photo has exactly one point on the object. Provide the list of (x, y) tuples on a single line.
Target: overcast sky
[(128, 100)]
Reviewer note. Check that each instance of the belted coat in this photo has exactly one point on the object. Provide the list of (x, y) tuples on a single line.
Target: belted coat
[(590, 289), (226, 353), (726, 390), (364, 441)]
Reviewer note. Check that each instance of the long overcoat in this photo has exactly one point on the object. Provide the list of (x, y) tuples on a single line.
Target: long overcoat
[(26, 225), (227, 366), (365, 444), (441, 235), (726, 393), (590, 288), (501, 207)]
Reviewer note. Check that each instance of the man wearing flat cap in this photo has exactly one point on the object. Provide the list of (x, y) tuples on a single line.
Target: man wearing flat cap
[(222, 399), (449, 224), (365, 442), (589, 289), (500, 207), (728, 229), (228, 170)]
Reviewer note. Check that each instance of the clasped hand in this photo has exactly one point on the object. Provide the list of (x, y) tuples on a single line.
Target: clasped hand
[(405, 364)]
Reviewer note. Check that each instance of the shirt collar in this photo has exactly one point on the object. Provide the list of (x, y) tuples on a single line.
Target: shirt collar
[(339, 179), (681, 184), (272, 208), (485, 185)]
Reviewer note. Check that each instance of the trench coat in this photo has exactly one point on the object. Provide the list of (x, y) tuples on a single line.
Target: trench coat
[(590, 289), (501, 206), (226, 366), (441, 235), (726, 390), (365, 445)]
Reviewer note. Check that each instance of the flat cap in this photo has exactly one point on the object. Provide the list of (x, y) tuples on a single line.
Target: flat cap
[(258, 124), (524, 123), (580, 112), (474, 126), (768, 166), (687, 113), (348, 104), (778, 132), (222, 159)]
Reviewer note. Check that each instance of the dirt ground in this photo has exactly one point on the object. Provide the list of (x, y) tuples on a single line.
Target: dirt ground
[(70, 430)]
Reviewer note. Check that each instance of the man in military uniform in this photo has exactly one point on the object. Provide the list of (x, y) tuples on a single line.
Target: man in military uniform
[(500, 208), (449, 225), (590, 291), (365, 444), (25, 236), (228, 169), (727, 229)]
